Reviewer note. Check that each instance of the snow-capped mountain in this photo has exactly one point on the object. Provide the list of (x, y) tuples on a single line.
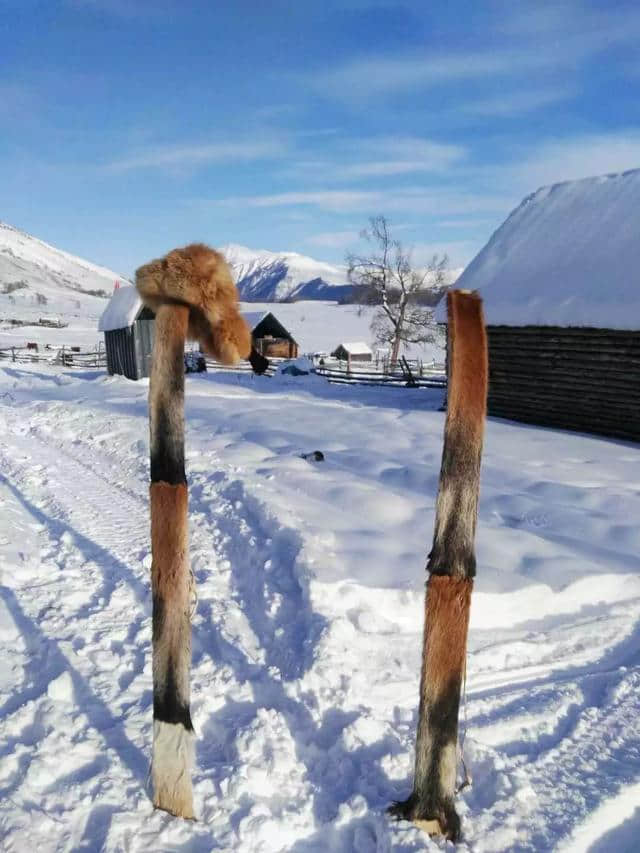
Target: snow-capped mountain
[(264, 276), (39, 281)]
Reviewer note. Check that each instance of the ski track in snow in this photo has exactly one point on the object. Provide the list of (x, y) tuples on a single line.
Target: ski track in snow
[(304, 694)]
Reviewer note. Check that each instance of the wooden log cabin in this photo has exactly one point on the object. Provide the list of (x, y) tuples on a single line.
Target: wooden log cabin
[(560, 281), (270, 338)]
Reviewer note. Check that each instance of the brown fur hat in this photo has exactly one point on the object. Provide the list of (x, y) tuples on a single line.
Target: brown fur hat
[(199, 277)]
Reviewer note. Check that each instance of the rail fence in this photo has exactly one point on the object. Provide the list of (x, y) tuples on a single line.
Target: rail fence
[(63, 356), (407, 373)]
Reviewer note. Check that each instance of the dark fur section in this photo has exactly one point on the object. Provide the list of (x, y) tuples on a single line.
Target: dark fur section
[(167, 454), (453, 551), (166, 396), (168, 705), (457, 506)]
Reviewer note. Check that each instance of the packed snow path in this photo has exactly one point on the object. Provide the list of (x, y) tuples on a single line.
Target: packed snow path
[(308, 621)]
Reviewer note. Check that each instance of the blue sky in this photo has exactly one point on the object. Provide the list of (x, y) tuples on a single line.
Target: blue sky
[(127, 128)]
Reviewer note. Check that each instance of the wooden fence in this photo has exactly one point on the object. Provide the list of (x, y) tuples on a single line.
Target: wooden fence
[(412, 374), (407, 374), (241, 367), (572, 378), (64, 356)]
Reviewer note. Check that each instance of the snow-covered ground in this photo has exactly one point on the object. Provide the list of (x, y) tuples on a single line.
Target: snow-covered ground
[(307, 627)]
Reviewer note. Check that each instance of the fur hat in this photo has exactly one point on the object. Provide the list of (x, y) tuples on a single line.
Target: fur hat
[(199, 277)]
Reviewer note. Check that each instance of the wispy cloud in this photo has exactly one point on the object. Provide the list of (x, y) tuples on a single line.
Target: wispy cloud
[(332, 200), (379, 157), (193, 156), (545, 37), (149, 9), (459, 252), (366, 78), (579, 157), (517, 103), (333, 239), (422, 200)]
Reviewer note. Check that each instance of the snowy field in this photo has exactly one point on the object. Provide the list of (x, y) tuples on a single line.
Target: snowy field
[(307, 627)]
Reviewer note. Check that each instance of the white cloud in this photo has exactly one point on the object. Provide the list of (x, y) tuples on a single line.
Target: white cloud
[(580, 157), (191, 156), (378, 157), (420, 200), (333, 239), (366, 78), (517, 103)]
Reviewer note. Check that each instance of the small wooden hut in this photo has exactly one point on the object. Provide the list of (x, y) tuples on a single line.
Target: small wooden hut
[(128, 334), (353, 351), (561, 289), (270, 338)]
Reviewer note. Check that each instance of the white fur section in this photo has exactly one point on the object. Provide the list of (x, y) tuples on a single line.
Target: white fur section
[(448, 764), (173, 753)]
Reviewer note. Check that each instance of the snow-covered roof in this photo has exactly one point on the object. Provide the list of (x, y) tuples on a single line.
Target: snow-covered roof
[(356, 348), (252, 318), (122, 310), (569, 255)]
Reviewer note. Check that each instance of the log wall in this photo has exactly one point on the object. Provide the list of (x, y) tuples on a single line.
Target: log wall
[(570, 378)]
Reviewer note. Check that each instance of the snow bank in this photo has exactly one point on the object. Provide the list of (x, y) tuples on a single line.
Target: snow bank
[(569, 255)]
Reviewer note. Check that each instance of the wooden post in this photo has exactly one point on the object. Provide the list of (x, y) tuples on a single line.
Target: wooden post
[(451, 567)]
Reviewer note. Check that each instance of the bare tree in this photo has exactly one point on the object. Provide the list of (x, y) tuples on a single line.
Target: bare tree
[(403, 293)]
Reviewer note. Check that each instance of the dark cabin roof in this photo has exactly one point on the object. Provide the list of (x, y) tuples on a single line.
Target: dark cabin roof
[(266, 324)]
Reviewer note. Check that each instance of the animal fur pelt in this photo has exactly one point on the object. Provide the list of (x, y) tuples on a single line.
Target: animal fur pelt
[(451, 568), (198, 277), (192, 294)]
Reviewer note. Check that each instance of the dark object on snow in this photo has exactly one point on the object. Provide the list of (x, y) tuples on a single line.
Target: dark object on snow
[(194, 362), (258, 362), (314, 456), (294, 370)]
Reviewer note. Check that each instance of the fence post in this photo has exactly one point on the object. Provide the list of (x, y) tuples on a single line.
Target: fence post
[(13, 354)]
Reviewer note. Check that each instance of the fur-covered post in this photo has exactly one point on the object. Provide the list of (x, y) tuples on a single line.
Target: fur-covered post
[(193, 295), (451, 567)]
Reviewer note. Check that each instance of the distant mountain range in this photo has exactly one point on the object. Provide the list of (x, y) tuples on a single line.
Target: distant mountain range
[(39, 281), (264, 276)]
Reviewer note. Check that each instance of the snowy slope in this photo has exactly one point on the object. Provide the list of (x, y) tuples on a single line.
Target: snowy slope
[(277, 276), (569, 255), (307, 628), (38, 280)]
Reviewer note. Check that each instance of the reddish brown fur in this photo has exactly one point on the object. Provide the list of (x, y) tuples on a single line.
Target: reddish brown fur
[(199, 277), (169, 542), (447, 606), (468, 362)]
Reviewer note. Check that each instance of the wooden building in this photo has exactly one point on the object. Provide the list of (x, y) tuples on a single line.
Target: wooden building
[(353, 351), (128, 334), (270, 338), (560, 281)]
